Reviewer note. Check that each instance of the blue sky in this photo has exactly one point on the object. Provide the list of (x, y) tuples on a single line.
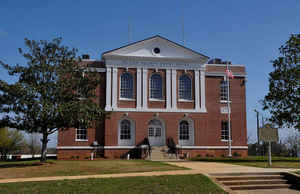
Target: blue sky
[(245, 32)]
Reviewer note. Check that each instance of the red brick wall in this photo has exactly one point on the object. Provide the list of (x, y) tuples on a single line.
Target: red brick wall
[(207, 125), (234, 69)]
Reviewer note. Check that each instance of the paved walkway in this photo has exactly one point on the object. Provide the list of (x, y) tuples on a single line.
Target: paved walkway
[(215, 167)]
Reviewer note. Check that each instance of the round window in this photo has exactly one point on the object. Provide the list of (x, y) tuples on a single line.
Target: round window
[(156, 50)]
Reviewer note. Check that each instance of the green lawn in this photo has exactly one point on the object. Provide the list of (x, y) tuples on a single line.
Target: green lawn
[(256, 161), (24, 169), (156, 184)]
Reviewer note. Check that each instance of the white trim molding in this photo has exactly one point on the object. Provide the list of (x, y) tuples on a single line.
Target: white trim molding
[(197, 90), (145, 95), (91, 148), (211, 147), (114, 87), (224, 65), (108, 89), (168, 88), (138, 88), (203, 93), (160, 110), (132, 147), (174, 89)]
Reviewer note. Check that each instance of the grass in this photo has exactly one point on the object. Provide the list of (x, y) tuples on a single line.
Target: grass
[(156, 184), (25, 169), (256, 161)]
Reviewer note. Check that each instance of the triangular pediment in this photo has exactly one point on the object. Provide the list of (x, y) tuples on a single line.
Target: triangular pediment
[(157, 48)]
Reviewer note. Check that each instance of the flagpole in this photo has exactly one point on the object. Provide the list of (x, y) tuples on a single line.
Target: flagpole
[(228, 110)]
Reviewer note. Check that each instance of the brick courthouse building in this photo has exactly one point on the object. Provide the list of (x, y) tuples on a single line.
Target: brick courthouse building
[(160, 90)]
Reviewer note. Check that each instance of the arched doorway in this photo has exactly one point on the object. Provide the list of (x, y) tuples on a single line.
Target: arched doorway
[(156, 133)]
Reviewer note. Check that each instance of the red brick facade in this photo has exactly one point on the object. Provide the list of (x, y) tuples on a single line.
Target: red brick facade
[(206, 124)]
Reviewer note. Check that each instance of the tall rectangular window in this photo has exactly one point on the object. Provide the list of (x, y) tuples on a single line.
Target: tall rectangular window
[(81, 134), (224, 90), (224, 130)]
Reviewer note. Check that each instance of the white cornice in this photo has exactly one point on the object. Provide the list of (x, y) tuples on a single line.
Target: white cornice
[(154, 64), (201, 110), (224, 65), (211, 147), (132, 147), (220, 74)]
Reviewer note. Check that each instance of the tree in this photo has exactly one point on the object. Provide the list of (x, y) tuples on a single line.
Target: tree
[(33, 144), (293, 143), (283, 98), (10, 142), (54, 91)]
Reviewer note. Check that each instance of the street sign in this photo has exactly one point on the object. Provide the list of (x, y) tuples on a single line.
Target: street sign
[(268, 134)]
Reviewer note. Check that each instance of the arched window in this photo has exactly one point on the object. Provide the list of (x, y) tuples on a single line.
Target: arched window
[(184, 130), (125, 130), (126, 89), (185, 87), (156, 87)]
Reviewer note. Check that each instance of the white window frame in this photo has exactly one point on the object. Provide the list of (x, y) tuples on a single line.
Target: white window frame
[(126, 142), (191, 129), (151, 98), (224, 130), (78, 135), (132, 87), (224, 91), (182, 89)]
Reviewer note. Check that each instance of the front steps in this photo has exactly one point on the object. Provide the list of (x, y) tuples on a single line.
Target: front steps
[(252, 181), (159, 153)]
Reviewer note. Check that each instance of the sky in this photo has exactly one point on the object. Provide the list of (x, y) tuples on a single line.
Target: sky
[(244, 32)]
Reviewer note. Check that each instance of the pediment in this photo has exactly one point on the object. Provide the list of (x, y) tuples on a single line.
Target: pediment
[(156, 48)]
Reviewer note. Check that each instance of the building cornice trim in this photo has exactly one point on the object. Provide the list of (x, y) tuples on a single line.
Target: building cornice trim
[(129, 63), (211, 147), (202, 110), (220, 74), (224, 65), (132, 147)]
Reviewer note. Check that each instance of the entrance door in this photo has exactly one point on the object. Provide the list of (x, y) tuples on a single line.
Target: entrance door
[(155, 133)]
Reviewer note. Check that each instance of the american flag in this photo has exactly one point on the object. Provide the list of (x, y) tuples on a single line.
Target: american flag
[(229, 73)]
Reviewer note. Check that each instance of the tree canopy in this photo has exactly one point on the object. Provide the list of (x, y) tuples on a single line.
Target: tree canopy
[(10, 142), (283, 98), (54, 91)]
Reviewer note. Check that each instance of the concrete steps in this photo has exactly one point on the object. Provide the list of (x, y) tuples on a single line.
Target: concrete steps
[(160, 154), (252, 181)]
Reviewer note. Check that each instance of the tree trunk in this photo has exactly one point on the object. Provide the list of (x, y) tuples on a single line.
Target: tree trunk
[(44, 147)]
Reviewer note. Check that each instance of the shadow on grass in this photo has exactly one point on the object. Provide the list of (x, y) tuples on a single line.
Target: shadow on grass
[(21, 165)]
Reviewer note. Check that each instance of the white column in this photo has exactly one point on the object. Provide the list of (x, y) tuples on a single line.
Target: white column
[(108, 89), (145, 88), (203, 106), (197, 91), (174, 89), (115, 87), (139, 88), (168, 88)]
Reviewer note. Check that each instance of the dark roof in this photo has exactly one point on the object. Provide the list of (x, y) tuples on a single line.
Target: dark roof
[(152, 38), (91, 63)]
